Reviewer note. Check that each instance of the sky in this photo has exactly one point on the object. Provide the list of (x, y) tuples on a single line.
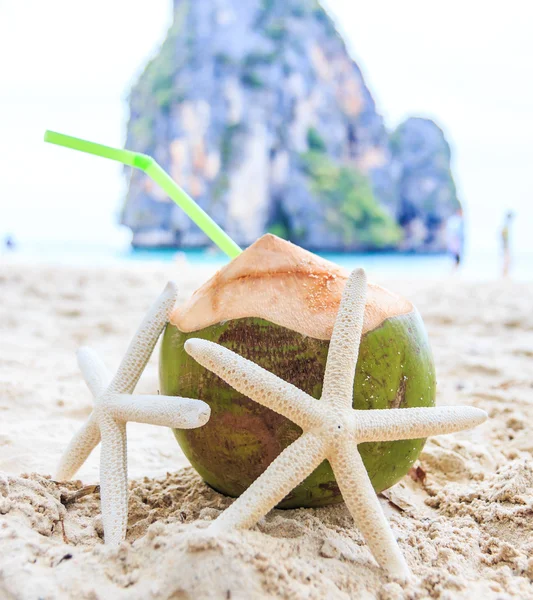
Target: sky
[(67, 66)]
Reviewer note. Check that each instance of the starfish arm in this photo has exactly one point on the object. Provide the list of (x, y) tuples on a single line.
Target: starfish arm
[(345, 340), (282, 475), (168, 411), (411, 423), (256, 383), (113, 480), (363, 504), (93, 370), (143, 342), (81, 445)]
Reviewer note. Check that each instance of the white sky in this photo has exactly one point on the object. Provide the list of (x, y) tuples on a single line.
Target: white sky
[(67, 66)]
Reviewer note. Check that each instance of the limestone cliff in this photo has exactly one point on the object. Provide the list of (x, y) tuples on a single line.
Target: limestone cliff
[(426, 189), (257, 110)]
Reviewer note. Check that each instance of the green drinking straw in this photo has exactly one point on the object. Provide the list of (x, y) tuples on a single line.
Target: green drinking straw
[(150, 167)]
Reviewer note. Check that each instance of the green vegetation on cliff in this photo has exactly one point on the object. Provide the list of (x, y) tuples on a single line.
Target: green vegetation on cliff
[(315, 141), (159, 75), (351, 207)]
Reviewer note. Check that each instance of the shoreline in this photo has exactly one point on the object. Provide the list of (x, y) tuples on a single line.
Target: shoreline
[(480, 266)]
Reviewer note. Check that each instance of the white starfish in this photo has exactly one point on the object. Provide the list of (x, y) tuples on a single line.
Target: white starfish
[(114, 405), (331, 429)]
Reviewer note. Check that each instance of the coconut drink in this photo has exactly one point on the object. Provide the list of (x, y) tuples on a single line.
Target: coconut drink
[(275, 304)]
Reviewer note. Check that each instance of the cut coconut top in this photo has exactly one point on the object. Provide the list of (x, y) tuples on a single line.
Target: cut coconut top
[(286, 285)]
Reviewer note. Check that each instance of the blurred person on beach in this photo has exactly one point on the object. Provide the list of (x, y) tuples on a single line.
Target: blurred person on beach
[(9, 242), (455, 236), (505, 233)]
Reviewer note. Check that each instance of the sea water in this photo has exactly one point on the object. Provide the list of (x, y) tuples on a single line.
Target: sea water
[(475, 266)]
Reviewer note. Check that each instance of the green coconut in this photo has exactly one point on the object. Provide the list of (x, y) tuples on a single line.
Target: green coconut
[(276, 304)]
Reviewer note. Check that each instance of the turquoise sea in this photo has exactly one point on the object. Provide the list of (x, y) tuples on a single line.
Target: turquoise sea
[(476, 265)]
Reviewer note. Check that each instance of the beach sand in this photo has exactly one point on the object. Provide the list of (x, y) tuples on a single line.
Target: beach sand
[(463, 517)]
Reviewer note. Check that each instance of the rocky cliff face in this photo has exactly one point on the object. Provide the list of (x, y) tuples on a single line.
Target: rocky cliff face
[(257, 110), (426, 189)]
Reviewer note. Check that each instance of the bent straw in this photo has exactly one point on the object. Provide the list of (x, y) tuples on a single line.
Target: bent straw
[(150, 167)]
